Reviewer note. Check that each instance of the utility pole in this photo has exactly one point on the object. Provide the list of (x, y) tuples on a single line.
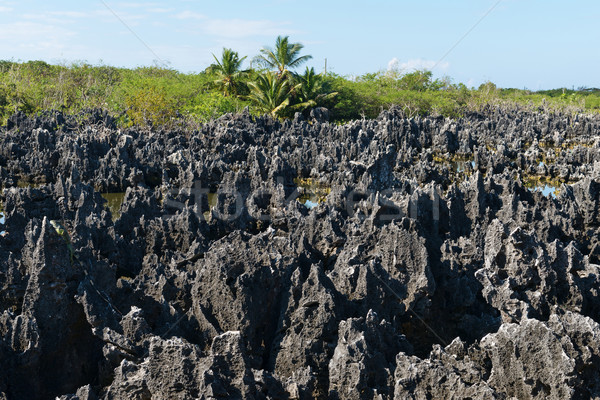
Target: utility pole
[(325, 66)]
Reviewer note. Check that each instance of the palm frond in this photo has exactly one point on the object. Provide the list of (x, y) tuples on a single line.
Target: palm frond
[(282, 57), (270, 94), (228, 71)]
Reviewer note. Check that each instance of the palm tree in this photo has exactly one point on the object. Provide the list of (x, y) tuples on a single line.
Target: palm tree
[(310, 90), (270, 94), (228, 71), (285, 55)]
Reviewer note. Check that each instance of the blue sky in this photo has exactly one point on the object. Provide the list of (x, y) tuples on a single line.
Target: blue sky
[(534, 44)]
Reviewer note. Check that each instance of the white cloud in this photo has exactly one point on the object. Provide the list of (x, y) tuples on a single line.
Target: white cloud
[(39, 38), (5, 9), (69, 14), (132, 20), (189, 15), (159, 10), (415, 64), (140, 5), (241, 28), (25, 31), (55, 17), (235, 28), (393, 64)]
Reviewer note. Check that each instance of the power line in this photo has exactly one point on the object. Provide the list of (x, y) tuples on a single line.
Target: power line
[(467, 33), (158, 58)]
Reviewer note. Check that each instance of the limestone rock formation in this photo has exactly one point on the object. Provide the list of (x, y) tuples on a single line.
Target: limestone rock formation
[(258, 259)]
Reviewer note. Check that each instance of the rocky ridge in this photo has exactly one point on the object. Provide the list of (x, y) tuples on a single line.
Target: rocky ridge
[(437, 258)]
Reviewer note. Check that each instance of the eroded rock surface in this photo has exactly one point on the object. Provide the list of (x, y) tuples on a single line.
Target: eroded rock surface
[(256, 259)]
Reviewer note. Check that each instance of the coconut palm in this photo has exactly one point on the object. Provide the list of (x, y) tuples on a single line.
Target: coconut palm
[(228, 71), (270, 94), (284, 56), (310, 90)]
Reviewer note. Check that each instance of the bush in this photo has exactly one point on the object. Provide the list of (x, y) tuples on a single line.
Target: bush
[(150, 107), (209, 105), (152, 96)]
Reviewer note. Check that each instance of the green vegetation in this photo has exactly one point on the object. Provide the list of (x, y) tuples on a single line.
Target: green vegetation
[(113, 203), (147, 96), (229, 74), (270, 94), (285, 56), (312, 91), (156, 97), (280, 91), (311, 190), (417, 93)]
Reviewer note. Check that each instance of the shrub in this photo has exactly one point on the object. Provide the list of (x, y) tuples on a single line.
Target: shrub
[(150, 106)]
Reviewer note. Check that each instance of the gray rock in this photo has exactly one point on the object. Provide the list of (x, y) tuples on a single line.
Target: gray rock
[(431, 266)]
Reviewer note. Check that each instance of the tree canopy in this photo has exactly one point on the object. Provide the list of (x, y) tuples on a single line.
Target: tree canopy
[(270, 94), (229, 72), (283, 57)]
